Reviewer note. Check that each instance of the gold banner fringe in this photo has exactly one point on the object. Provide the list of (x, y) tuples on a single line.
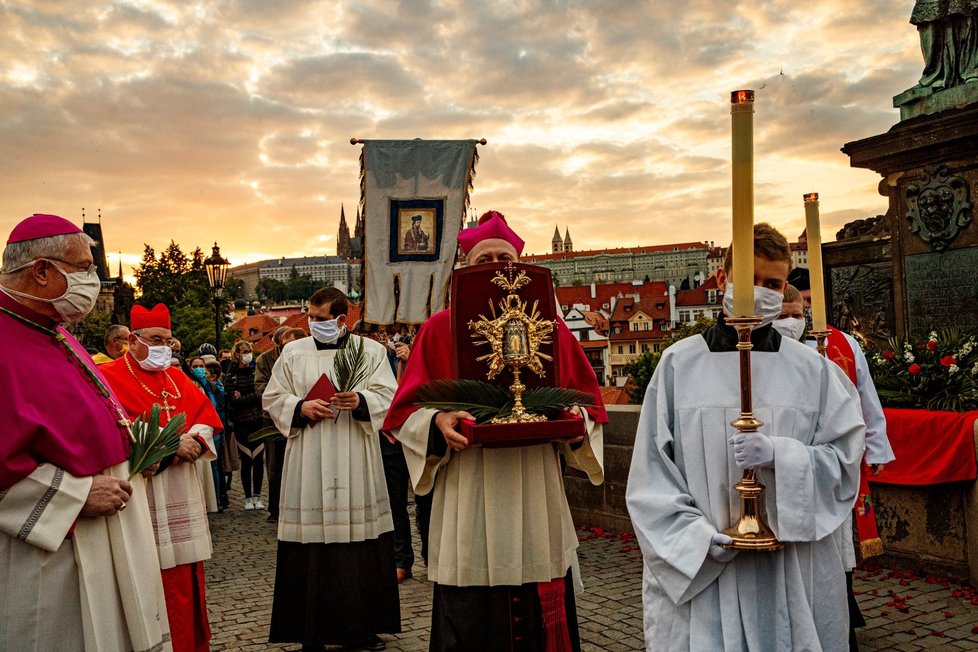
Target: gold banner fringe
[(871, 548)]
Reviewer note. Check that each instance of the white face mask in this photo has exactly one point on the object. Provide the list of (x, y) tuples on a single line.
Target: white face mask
[(158, 357), (79, 297), (767, 303), (790, 327), (326, 332), (246, 358)]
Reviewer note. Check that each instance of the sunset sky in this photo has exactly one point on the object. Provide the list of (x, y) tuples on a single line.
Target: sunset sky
[(231, 120)]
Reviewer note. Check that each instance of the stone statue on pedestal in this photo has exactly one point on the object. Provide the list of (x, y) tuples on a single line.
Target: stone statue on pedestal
[(948, 40), (948, 32)]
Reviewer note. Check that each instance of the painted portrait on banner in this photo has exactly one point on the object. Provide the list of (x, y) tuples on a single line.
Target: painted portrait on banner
[(416, 229)]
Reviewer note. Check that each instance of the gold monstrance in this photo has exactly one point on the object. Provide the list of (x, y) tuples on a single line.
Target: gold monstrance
[(515, 337)]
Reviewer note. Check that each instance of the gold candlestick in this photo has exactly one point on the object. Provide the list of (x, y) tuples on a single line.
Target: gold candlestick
[(820, 340), (751, 531)]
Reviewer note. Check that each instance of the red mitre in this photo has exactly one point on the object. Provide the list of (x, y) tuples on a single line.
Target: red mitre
[(158, 317), (40, 225), (492, 224)]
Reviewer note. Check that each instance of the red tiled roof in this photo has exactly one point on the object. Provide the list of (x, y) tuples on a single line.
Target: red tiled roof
[(614, 396), (682, 246), (597, 321), (581, 294), (594, 344), (696, 296)]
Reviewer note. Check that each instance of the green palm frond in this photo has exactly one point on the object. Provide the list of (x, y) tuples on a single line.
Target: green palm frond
[(485, 401), (153, 444), (265, 433), (350, 365), (551, 401), (480, 399)]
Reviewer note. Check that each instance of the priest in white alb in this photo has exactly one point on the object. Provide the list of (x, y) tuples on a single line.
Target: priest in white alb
[(78, 568), (697, 594), (335, 581)]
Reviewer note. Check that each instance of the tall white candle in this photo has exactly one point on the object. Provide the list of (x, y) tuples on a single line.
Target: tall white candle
[(814, 234), (742, 157)]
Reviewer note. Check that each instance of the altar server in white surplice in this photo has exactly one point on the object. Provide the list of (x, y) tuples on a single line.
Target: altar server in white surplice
[(335, 581), (697, 595)]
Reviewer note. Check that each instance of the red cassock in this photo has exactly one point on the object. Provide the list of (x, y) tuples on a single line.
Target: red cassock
[(138, 390), (432, 359)]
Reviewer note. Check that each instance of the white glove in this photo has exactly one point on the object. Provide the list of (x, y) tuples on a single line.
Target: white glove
[(718, 552), (753, 450)]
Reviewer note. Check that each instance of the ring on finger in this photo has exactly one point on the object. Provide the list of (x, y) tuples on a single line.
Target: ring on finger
[(121, 506)]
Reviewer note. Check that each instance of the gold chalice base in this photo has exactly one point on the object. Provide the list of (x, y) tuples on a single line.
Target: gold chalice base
[(525, 417)]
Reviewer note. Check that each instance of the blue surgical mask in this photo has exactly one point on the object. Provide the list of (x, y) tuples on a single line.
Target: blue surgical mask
[(200, 372)]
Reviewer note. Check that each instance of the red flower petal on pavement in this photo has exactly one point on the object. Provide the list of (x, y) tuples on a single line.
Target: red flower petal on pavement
[(934, 632), (948, 614), (974, 630)]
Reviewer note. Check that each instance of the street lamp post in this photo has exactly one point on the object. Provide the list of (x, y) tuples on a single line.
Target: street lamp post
[(217, 271)]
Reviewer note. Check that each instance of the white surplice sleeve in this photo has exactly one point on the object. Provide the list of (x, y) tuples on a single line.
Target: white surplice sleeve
[(813, 484), (672, 531), (41, 508)]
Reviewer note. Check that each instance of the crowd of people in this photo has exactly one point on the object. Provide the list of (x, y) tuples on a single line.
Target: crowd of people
[(107, 559)]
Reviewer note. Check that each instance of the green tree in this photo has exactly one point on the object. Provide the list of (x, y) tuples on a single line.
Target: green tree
[(91, 330), (640, 369), (180, 281)]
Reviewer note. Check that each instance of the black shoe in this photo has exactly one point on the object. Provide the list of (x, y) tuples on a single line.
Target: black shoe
[(272, 518)]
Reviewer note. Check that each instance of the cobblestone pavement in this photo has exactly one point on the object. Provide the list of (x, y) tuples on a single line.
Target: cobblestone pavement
[(903, 611)]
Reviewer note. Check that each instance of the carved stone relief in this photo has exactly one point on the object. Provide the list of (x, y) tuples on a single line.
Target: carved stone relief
[(938, 208)]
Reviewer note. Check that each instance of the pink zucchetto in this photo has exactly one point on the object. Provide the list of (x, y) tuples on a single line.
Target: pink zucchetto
[(492, 224), (40, 225)]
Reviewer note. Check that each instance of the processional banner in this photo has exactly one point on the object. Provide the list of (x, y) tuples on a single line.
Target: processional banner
[(414, 195)]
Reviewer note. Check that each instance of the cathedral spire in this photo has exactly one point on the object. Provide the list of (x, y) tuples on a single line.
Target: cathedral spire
[(568, 245), (343, 248), (556, 241)]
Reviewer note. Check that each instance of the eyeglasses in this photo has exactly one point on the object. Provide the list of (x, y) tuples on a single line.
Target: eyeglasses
[(90, 269), (157, 341)]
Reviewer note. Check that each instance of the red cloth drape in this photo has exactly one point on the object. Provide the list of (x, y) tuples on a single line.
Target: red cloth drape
[(930, 447)]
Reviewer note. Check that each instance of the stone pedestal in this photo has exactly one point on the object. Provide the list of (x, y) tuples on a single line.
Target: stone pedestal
[(929, 166)]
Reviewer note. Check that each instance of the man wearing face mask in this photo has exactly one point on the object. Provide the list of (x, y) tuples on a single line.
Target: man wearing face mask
[(141, 378), (78, 564), (843, 349), (502, 540), (115, 343), (698, 595), (334, 576)]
